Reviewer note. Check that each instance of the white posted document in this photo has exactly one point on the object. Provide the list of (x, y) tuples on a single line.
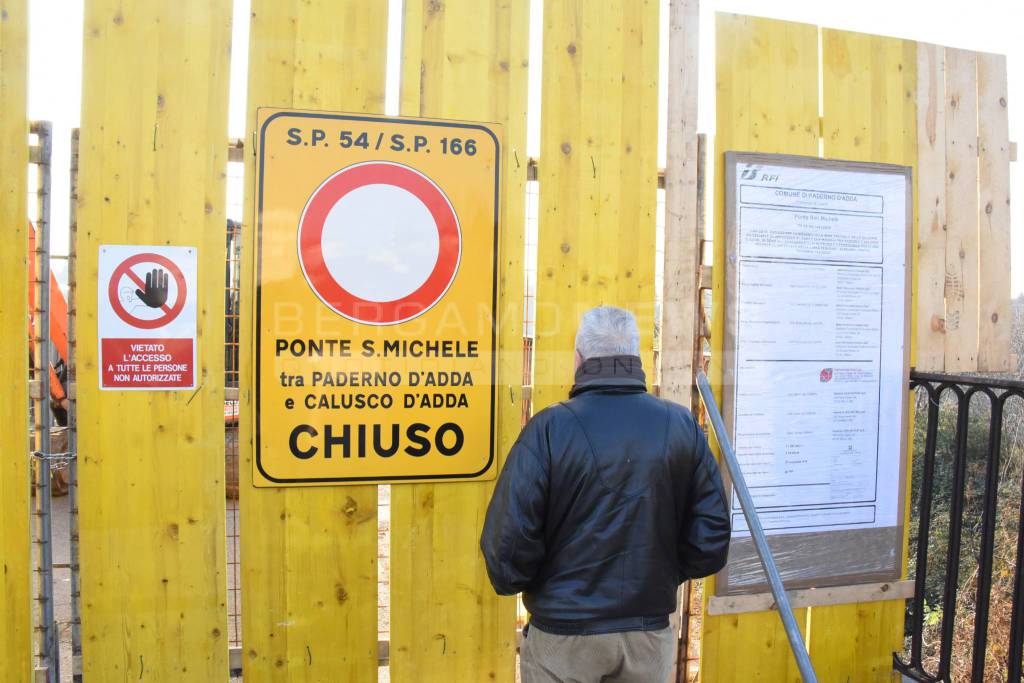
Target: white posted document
[(821, 259)]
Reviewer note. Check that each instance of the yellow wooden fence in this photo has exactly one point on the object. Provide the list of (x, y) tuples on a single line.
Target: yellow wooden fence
[(884, 100), (307, 592), (766, 101), (15, 581), (598, 176), (464, 59), (309, 555), (151, 464)]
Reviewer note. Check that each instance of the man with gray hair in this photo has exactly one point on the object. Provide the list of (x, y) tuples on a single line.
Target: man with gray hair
[(607, 502)]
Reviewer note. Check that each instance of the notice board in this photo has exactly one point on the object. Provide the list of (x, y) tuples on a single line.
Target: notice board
[(376, 271), (816, 365)]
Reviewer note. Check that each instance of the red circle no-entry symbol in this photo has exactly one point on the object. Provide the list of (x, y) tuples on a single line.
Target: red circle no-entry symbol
[(170, 309), (379, 243)]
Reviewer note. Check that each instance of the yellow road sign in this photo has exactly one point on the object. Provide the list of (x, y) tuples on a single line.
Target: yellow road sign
[(376, 271)]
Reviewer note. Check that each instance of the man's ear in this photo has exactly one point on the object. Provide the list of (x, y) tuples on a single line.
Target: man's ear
[(578, 358)]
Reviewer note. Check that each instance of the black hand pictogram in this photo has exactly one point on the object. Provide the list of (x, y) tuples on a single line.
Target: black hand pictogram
[(155, 295)]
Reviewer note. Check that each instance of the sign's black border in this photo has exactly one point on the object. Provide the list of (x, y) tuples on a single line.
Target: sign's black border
[(259, 292)]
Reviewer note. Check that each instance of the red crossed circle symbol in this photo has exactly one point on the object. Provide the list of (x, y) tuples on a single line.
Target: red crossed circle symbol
[(332, 293), (124, 270)]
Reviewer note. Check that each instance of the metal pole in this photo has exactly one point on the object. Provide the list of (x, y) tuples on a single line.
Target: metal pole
[(43, 417), (796, 641), (76, 617)]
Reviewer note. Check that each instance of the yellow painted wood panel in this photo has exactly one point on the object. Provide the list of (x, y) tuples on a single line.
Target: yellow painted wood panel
[(961, 113), (931, 208), (152, 159), (767, 101), (309, 555), (597, 177), (463, 59), (15, 553), (869, 103), (870, 114), (749, 647), (995, 316)]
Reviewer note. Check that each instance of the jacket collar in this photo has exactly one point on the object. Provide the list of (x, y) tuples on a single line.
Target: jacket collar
[(624, 374)]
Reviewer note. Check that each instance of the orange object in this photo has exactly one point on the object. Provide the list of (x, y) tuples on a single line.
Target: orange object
[(58, 316)]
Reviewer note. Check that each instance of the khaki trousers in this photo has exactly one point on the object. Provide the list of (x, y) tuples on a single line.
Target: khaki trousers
[(630, 657)]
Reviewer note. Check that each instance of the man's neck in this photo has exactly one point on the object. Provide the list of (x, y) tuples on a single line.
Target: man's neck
[(622, 372)]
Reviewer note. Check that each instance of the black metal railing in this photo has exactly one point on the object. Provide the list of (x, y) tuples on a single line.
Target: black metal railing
[(957, 462)]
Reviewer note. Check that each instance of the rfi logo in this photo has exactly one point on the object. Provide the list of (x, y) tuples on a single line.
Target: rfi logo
[(750, 173), (826, 375)]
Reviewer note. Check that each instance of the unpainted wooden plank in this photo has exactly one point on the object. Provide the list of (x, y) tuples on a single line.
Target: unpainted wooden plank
[(931, 208), (680, 334), (962, 304), (151, 464), (995, 317), (309, 555), (679, 325), (767, 101), (813, 597), (870, 114), (15, 581), (464, 59)]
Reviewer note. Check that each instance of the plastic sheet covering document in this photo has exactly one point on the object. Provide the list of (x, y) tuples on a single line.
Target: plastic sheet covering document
[(820, 304)]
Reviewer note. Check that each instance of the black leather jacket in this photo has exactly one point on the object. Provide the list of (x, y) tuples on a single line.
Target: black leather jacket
[(606, 503)]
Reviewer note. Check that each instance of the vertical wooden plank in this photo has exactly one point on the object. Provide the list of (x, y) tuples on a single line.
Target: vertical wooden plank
[(931, 208), (15, 617), (870, 114), (309, 555), (151, 464), (464, 59), (598, 177), (994, 317), (681, 260), (869, 104), (767, 101), (961, 113), (679, 329)]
